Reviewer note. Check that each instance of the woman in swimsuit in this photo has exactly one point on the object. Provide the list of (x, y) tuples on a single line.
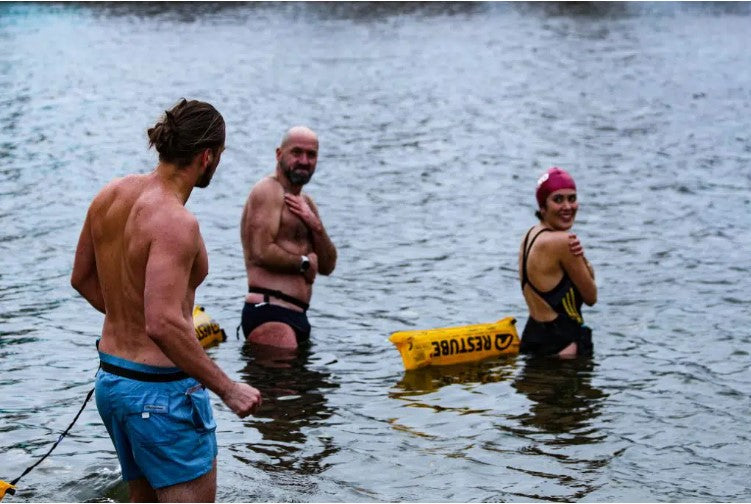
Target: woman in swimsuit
[(555, 276)]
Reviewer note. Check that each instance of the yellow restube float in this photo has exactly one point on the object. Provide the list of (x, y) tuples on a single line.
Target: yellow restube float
[(455, 345), (6, 487), (208, 330)]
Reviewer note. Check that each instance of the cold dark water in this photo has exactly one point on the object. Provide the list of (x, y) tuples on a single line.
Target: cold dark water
[(435, 121)]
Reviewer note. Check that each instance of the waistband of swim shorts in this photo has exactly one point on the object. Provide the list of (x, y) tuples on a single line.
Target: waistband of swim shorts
[(279, 295), (137, 371)]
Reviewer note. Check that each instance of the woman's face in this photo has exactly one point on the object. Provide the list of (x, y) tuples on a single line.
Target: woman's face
[(560, 209)]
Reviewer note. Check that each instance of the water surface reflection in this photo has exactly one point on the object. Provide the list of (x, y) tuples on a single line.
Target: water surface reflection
[(564, 402), (429, 379), (436, 117), (294, 405)]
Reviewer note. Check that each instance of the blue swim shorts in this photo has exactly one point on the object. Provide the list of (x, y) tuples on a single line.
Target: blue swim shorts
[(163, 431)]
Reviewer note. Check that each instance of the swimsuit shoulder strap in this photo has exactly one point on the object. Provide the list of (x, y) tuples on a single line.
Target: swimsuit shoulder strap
[(525, 255)]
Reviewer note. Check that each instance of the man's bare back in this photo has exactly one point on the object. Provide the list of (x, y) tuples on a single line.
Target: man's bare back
[(139, 259), (132, 220)]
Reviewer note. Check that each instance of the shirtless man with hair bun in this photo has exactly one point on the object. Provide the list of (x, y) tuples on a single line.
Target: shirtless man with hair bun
[(139, 260)]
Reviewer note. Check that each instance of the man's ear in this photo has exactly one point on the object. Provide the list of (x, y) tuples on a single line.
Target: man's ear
[(208, 157)]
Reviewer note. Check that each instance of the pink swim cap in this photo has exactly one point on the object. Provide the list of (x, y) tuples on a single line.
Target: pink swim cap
[(551, 181)]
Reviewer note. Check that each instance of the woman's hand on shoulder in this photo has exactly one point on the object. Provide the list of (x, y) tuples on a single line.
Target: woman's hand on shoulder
[(578, 269), (576, 249), (574, 245)]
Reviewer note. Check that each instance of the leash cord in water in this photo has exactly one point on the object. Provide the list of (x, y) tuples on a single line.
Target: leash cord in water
[(11, 490)]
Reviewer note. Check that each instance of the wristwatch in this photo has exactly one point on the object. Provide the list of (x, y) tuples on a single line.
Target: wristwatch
[(304, 264)]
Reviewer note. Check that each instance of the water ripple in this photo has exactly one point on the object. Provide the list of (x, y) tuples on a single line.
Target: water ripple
[(435, 121)]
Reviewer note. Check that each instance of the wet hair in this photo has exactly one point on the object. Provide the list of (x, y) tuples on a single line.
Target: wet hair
[(185, 130)]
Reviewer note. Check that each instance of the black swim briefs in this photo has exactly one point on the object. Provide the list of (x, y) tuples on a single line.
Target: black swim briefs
[(549, 338), (256, 314)]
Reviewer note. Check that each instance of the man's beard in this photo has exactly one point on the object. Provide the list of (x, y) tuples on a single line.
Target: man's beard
[(207, 175), (298, 178)]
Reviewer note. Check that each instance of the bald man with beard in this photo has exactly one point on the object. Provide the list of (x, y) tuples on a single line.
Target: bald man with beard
[(285, 247)]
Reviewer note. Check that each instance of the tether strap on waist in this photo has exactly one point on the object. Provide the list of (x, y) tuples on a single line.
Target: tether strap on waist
[(141, 376), (279, 295)]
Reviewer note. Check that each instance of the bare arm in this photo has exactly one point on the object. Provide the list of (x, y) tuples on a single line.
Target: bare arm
[(171, 256), (576, 249), (260, 226), (305, 208), (578, 268), (85, 278)]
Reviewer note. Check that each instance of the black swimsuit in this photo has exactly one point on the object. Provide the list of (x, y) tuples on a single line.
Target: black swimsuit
[(256, 314), (546, 338)]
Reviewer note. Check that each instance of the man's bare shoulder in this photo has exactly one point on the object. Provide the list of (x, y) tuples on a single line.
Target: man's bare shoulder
[(173, 225), (155, 211), (308, 198), (118, 189), (127, 182), (267, 183), (266, 189), (119, 186), (167, 210)]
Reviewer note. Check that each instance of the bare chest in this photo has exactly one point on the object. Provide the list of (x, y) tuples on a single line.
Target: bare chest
[(292, 229)]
